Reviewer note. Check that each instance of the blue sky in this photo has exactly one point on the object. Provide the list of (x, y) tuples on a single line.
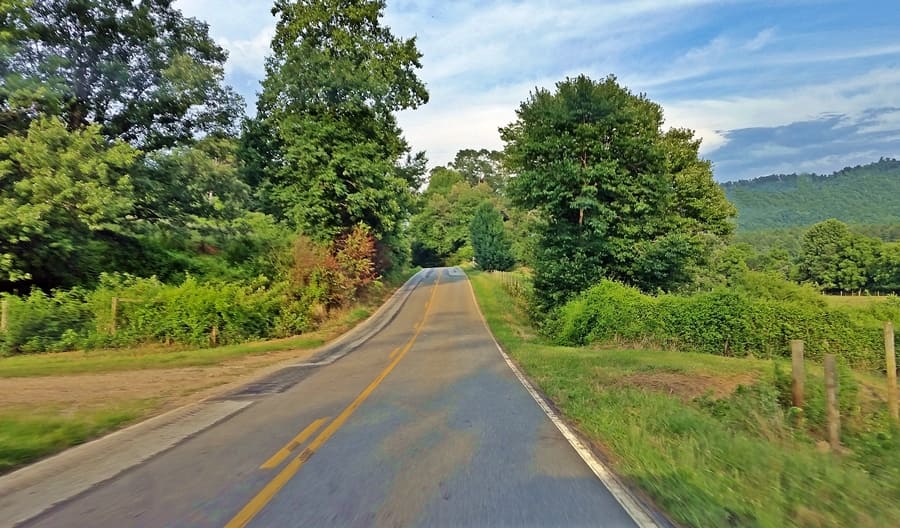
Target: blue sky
[(770, 86)]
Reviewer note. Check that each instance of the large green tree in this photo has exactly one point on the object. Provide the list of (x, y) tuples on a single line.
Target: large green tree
[(835, 258), (618, 197), (63, 194), (887, 268), (333, 82), (481, 166), (142, 71)]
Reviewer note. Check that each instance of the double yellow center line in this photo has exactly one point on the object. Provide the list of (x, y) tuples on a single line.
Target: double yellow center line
[(257, 503)]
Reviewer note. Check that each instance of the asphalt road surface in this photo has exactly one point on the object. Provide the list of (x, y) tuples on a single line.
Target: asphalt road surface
[(423, 425)]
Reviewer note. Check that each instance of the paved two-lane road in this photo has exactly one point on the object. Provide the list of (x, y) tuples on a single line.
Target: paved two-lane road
[(423, 425)]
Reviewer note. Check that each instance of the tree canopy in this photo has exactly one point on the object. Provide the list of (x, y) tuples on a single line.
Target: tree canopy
[(54, 201), (333, 81), (142, 71), (481, 166), (837, 259), (619, 198)]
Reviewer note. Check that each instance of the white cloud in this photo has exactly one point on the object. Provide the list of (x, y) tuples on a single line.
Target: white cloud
[(245, 28), (481, 59), (248, 55), (876, 88), (761, 40)]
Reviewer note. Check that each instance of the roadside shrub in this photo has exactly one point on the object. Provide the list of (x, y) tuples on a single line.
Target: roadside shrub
[(728, 322), (627, 316), (332, 276), (771, 285), (188, 312), (195, 311), (43, 322)]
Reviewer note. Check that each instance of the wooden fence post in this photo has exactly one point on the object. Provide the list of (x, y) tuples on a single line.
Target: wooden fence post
[(114, 314), (890, 359), (4, 315), (831, 403), (798, 376)]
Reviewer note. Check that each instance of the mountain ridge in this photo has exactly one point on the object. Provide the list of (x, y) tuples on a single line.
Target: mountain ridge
[(864, 194)]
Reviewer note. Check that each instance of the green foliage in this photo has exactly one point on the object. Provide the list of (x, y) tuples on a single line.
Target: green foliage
[(481, 166), (886, 273), (617, 196), (862, 195), (489, 241), (178, 186), (255, 244), (757, 317), (40, 322), (523, 228), (59, 190), (186, 313), (143, 71), (441, 180), (836, 259), (441, 227), (83, 83), (333, 81), (149, 310)]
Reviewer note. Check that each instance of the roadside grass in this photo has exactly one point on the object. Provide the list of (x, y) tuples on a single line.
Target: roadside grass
[(706, 436), (27, 434)]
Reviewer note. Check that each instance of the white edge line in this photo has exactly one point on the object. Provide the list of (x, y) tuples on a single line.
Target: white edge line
[(619, 492)]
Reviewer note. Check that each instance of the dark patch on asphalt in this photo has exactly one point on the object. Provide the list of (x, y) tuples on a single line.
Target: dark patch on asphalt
[(285, 378), (274, 383)]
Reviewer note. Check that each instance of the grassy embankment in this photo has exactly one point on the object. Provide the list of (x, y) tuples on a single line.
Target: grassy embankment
[(50, 423), (705, 436)]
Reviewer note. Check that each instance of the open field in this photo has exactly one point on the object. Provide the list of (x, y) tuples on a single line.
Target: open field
[(854, 301), (706, 437)]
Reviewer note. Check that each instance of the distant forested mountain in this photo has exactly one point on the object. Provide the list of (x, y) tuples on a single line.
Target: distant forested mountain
[(866, 194)]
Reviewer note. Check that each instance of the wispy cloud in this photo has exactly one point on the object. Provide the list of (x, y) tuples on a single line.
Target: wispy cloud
[(721, 68)]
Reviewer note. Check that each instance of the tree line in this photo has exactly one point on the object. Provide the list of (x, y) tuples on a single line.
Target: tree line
[(832, 255), (123, 150)]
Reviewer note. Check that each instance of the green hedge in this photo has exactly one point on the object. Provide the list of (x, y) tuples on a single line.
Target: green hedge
[(39, 322), (728, 322), (186, 313), (149, 310)]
